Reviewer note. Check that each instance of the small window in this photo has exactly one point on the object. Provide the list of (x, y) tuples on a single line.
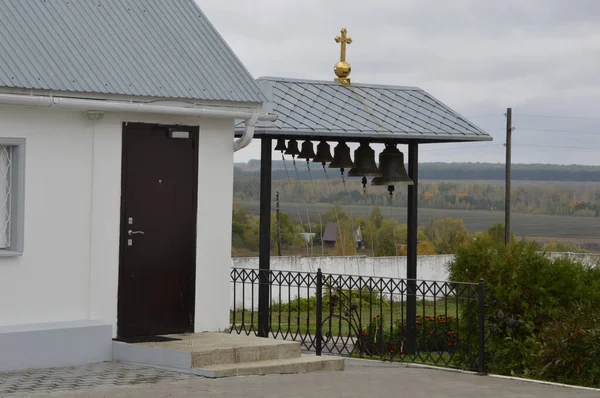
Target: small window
[(12, 184)]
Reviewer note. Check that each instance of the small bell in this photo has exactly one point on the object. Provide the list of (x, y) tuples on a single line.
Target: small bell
[(307, 151), (341, 157), (391, 165), (280, 145), (323, 153), (364, 158), (292, 148)]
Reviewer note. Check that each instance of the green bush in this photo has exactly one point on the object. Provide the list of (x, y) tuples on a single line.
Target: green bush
[(530, 298), (570, 347), (433, 334)]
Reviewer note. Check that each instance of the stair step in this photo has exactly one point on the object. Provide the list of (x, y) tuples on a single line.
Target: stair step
[(302, 364), (205, 349), (250, 353)]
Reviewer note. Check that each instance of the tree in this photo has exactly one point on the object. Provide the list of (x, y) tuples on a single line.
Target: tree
[(389, 238), (345, 244), (376, 217), (446, 234), (244, 229), (290, 232), (564, 247)]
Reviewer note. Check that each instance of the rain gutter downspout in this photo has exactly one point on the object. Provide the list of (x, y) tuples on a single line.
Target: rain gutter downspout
[(251, 116), (246, 138)]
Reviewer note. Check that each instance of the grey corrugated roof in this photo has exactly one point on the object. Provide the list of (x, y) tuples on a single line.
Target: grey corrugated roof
[(154, 48), (327, 109)]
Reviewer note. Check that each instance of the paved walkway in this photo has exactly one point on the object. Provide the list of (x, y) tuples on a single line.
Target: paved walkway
[(114, 380)]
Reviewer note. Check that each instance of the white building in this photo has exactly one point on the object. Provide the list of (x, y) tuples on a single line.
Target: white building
[(116, 166)]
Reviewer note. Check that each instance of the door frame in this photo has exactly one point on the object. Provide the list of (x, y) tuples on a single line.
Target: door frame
[(195, 135)]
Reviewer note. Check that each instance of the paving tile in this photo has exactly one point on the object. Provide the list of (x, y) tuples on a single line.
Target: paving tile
[(101, 375)]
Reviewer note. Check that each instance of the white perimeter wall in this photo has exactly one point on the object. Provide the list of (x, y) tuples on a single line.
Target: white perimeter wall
[(69, 268), (433, 268), (428, 268)]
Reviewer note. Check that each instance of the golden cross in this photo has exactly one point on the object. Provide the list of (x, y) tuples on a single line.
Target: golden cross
[(344, 40)]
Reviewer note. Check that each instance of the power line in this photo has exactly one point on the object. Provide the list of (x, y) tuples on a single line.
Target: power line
[(528, 129), (560, 117), (462, 148), (536, 115), (558, 131), (560, 146)]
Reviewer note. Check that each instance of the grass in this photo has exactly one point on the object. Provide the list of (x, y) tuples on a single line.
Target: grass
[(305, 321), (522, 224)]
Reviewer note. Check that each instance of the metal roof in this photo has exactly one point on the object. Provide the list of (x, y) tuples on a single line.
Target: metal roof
[(330, 110), (150, 48)]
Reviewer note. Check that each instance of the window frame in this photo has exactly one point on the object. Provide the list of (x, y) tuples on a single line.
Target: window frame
[(17, 199)]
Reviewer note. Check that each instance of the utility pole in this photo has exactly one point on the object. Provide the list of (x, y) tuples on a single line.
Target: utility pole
[(278, 226), (508, 176)]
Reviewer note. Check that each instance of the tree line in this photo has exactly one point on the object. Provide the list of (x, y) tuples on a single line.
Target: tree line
[(378, 236), (440, 171), (539, 198)]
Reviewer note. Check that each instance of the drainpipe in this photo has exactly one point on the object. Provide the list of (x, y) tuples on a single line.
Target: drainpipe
[(246, 138), (222, 112)]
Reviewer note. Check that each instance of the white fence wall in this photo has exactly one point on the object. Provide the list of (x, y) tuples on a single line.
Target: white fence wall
[(584, 258), (428, 268)]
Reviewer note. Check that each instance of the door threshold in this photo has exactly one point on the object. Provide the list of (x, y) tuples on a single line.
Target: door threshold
[(145, 339)]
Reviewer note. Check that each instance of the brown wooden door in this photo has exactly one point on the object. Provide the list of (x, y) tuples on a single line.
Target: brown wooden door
[(158, 205)]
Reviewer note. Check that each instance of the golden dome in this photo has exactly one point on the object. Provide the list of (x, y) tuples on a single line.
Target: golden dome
[(342, 69)]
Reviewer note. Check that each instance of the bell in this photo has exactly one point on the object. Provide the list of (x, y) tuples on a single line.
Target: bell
[(391, 165), (280, 145), (307, 151), (323, 153), (341, 157), (292, 148), (364, 158)]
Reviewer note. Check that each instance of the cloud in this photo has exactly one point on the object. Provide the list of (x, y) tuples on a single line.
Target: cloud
[(478, 57)]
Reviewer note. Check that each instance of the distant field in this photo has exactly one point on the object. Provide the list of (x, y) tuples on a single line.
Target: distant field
[(526, 183), (534, 225)]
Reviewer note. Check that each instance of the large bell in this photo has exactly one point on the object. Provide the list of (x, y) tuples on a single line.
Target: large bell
[(341, 157), (307, 151), (323, 153), (292, 148), (364, 159), (280, 145), (391, 165)]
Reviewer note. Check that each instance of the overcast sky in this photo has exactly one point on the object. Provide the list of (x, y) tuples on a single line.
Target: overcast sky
[(540, 57)]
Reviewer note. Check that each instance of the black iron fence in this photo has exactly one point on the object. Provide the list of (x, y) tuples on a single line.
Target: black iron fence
[(428, 322)]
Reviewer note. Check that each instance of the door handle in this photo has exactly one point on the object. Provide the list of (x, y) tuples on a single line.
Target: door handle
[(130, 232)]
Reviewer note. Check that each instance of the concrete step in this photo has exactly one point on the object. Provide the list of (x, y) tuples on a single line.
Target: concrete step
[(255, 350), (302, 364), (200, 350)]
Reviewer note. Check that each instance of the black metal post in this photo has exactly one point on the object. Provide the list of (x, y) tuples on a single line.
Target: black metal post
[(481, 366), (319, 309), (264, 262), (508, 176), (411, 255)]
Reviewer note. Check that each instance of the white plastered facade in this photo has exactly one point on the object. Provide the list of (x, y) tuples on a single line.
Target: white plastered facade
[(69, 267)]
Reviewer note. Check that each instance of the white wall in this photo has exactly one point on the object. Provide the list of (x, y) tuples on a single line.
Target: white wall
[(49, 282), (428, 268), (432, 268), (69, 268), (215, 201)]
